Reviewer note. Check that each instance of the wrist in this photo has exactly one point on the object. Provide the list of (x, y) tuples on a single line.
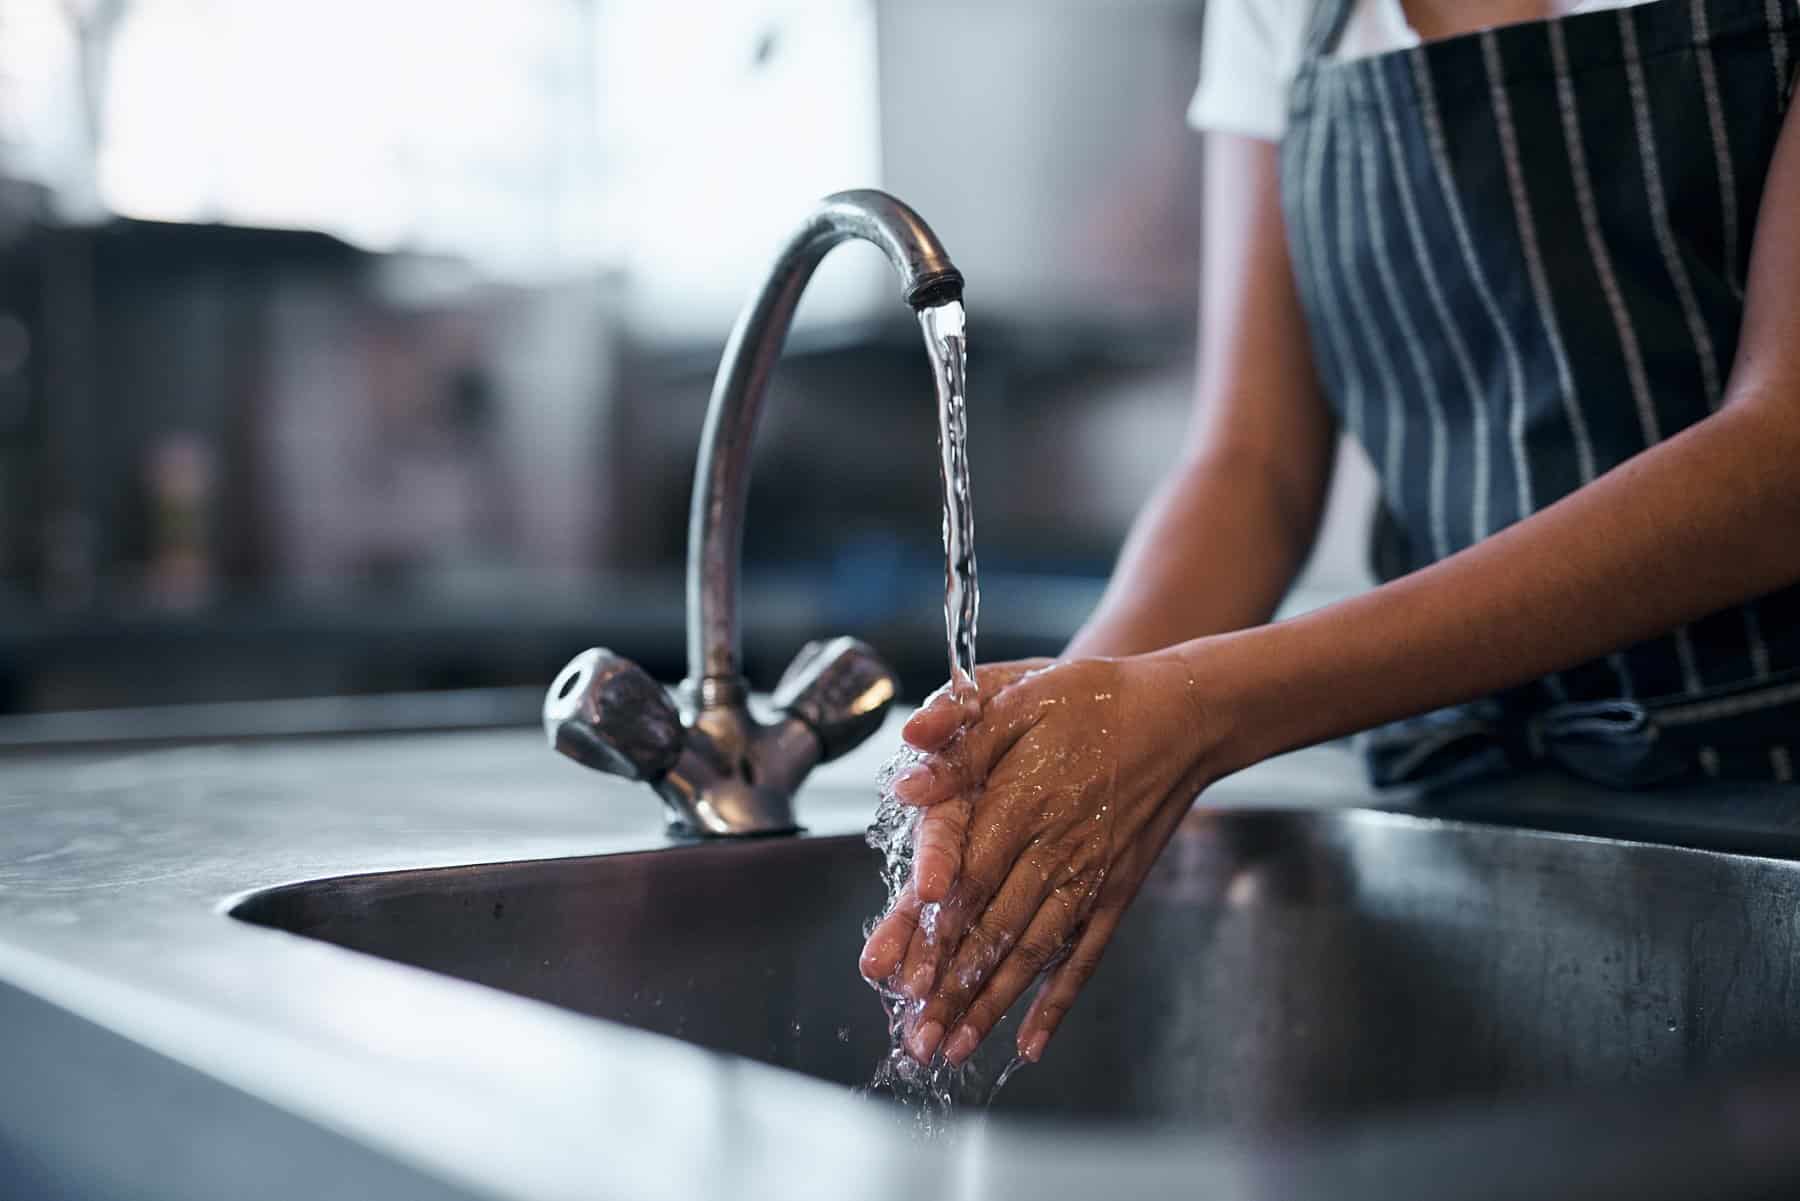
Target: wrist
[(1235, 690), (1198, 711)]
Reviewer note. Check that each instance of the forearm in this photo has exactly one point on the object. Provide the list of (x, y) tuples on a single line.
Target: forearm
[(1222, 539), (1215, 550), (1708, 519)]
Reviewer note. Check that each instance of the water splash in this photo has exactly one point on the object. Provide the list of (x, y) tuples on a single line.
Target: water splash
[(1006, 1073), (924, 1090)]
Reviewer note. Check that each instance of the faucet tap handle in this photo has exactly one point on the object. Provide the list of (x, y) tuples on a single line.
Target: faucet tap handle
[(605, 712), (841, 689)]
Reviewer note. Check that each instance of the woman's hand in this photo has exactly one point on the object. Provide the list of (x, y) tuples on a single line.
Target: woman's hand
[(936, 729), (1044, 814)]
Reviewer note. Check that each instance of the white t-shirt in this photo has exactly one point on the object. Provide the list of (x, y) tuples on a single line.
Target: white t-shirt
[(1251, 49)]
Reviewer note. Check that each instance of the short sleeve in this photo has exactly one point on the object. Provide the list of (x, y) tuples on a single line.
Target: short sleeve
[(1247, 56)]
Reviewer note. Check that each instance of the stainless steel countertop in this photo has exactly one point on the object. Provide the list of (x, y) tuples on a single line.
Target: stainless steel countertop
[(116, 869)]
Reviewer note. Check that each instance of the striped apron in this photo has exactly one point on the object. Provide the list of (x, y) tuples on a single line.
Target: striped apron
[(1522, 255)]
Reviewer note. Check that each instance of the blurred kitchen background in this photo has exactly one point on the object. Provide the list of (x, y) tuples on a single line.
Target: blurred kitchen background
[(356, 347)]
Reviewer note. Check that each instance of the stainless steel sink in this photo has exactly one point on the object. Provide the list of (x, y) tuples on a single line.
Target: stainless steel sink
[(1280, 966)]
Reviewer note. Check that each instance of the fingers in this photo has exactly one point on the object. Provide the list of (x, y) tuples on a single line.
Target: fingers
[(991, 941), (943, 851), (940, 935), (976, 846), (888, 941), (943, 714), (1056, 922), (958, 763), (918, 973), (938, 855), (985, 866), (940, 930), (926, 783), (1065, 983), (1058, 992)]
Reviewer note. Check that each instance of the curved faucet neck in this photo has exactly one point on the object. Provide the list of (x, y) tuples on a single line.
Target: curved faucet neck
[(722, 474)]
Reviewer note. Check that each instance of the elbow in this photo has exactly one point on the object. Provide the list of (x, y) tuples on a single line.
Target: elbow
[(1765, 427), (1287, 488)]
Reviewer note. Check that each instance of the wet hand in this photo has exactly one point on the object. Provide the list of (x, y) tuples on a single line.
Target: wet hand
[(934, 731), (940, 782), (1044, 813)]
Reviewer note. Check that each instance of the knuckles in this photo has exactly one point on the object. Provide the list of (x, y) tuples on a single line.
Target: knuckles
[(1035, 954)]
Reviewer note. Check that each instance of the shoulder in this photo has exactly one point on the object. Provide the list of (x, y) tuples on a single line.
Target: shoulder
[(1247, 59), (1277, 26)]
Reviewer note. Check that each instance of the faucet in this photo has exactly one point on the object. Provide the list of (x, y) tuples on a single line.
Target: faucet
[(722, 770)]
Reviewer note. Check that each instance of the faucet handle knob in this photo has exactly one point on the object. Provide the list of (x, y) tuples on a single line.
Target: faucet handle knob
[(841, 689), (605, 712)]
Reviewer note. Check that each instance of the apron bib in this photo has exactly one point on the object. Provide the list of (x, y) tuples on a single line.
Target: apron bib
[(1522, 253)]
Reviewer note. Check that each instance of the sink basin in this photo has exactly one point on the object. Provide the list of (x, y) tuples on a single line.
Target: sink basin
[(1279, 967)]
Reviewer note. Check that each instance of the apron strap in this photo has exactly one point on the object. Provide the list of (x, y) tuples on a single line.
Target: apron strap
[(1324, 27), (1738, 732)]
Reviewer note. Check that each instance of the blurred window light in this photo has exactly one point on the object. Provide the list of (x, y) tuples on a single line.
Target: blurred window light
[(443, 125), (723, 123), (675, 142), (43, 134)]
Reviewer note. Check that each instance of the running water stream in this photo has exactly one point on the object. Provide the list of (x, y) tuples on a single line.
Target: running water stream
[(931, 1091), (946, 342)]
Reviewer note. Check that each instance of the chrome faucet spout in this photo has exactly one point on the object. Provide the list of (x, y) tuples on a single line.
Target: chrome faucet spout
[(716, 517), (719, 769)]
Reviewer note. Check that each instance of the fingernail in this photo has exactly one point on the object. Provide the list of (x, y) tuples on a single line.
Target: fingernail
[(910, 784), (962, 1045), (1033, 1050), (925, 1041), (883, 948), (933, 702)]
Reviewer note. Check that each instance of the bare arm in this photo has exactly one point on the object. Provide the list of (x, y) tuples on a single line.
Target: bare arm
[(1219, 543), (1707, 519)]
